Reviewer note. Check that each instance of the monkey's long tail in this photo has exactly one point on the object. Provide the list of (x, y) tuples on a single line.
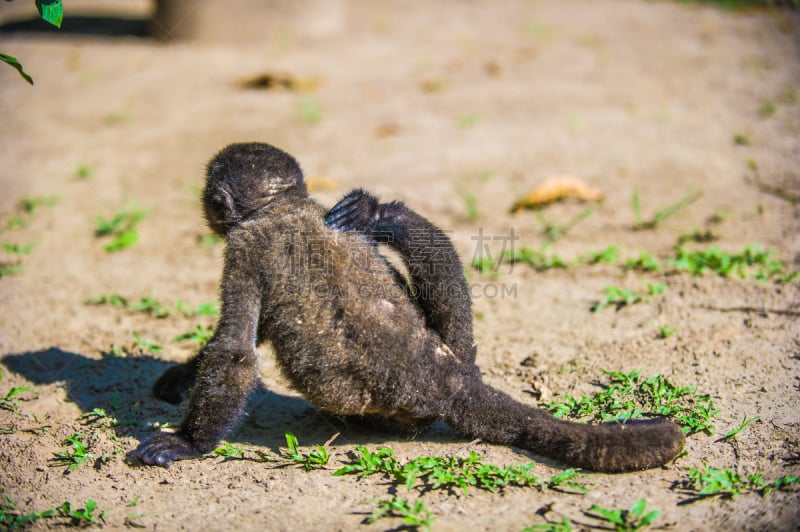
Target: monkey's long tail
[(480, 411)]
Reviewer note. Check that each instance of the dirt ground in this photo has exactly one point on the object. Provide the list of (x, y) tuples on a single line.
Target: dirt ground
[(438, 104)]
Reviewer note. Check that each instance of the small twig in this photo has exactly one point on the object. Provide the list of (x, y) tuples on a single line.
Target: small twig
[(783, 312), (776, 191), (461, 450), (331, 440)]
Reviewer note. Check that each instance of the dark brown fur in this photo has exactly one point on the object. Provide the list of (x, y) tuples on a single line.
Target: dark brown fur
[(350, 333)]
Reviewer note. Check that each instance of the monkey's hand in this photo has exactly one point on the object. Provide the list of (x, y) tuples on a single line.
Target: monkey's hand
[(163, 447), (358, 211)]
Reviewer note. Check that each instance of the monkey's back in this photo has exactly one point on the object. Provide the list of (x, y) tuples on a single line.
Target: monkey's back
[(345, 332)]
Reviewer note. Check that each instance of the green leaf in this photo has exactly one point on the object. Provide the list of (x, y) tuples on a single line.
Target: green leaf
[(16, 64), (648, 519), (639, 507), (291, 443), (52, 11), (614, 516), (124, 240)]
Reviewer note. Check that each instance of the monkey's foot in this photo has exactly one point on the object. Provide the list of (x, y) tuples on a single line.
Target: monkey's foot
[(174, 384), (163, 448), (358, 211)]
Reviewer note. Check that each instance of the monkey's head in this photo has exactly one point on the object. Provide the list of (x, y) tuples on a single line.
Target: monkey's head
[(243, 179)]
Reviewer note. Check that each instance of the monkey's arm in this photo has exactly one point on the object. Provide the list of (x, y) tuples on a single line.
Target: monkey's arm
[(432, 261), (226, 368)]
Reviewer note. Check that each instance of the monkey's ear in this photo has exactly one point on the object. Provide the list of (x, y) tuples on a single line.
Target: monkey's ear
[(221, 211), (231, 214)]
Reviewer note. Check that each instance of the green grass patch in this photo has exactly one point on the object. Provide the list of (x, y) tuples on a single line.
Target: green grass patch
[(552, 231), (12, 519), (138, 345), (122, 228), (26, 209), (627, 396), (745, 421), (317, 457), (98, 418), (469, 189), (609, 255), (309, 110), (229, 451), (661, 215), (146, 346), (618, 298), (414, 515), (537, 259), (18, 249), (467, 120), (201, 334), (621, 297), (209, 240), (84, 172), (727, 483), (741, 139), (151, 306), (82, 516), (636, 518), (7, 270), (73, 458), (665, 331), (31, 205), (697, 236), (565, 525), (645, 262), (752, 262), (436, 472), (10, 401), (767, 109)]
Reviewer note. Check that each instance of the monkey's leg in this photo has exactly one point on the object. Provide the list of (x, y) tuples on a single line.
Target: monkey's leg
[(480, 411), (226, 368), (436, 271), (224, 380)]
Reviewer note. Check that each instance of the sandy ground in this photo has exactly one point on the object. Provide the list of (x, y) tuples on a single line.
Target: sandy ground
[(430, 103)]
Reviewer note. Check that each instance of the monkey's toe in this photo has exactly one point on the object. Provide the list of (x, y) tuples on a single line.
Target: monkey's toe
[(356, 211), (163, 448)]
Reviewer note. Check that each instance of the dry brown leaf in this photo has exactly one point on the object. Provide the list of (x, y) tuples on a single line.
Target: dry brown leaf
[(432, 85), (388, 129), (555, 188), (282, 81)]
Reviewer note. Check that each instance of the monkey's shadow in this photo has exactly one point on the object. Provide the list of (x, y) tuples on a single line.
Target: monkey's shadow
[(121, 386)]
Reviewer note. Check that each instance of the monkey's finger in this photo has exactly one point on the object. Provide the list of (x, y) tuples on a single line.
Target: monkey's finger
[(357, 211), (355, 199), (352, 197), (163, 448)]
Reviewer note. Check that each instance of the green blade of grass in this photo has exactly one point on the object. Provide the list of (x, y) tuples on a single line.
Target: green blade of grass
[(13, 62)]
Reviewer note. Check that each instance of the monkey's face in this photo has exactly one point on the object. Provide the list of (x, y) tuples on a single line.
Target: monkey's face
[(243, 179)]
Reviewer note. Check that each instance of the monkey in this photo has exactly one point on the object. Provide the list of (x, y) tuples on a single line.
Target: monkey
[(353, 334)]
